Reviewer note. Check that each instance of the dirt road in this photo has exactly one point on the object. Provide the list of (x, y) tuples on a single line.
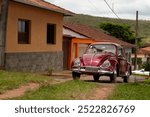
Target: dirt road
[(103, 90)]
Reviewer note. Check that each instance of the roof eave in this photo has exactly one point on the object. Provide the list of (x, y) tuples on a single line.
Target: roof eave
[(64, 13), (76, 31)]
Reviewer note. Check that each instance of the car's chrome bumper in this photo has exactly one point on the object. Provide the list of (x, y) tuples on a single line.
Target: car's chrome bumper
[(98, 71)]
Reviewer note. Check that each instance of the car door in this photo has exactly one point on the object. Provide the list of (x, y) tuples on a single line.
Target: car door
[(122, 62)]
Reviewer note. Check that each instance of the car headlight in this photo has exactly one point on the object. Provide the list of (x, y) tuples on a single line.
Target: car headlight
[(77, 62), (106, 64)]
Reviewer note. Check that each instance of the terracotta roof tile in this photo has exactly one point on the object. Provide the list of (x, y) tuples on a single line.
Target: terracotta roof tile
[(95, 34), (146, 50), (45, 5)]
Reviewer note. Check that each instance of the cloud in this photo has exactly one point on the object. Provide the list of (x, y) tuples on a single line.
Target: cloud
[(124, 8), (136, 5)]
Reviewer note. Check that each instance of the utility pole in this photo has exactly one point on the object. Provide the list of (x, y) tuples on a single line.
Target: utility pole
[(113, 5), (136, 41), (3, 25)]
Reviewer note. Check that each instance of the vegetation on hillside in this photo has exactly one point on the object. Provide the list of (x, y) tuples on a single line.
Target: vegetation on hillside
[(120, 31), (144, 25)]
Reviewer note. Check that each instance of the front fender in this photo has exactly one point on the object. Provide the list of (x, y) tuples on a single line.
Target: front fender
[(114, 63)]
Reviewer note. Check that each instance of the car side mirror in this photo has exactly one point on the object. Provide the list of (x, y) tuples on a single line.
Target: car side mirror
[(119, 55)]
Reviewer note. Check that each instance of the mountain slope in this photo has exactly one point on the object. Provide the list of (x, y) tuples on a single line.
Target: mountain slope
[(144, 25)]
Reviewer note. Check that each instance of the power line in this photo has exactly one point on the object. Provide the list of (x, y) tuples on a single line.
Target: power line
[(109, 8), (112, 10), (94, 6)]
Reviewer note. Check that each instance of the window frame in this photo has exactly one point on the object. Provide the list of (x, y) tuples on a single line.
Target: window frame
[(48, 37), (24, 31)]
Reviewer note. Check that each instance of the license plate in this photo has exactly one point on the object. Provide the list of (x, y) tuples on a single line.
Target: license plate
[(90, 69)]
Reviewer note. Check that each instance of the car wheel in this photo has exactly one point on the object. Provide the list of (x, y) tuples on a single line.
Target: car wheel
[(126, 78), (75, 75), (96, 77), (113, 77)]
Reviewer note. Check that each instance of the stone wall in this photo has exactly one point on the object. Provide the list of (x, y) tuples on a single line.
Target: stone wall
[(34, 62)]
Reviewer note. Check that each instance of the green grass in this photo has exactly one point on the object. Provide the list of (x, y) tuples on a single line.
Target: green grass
[(147, 81), (64, 91), (131, 91), (69, 90), (11, 80)]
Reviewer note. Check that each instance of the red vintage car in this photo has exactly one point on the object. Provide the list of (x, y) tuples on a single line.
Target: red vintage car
[(102, 59)]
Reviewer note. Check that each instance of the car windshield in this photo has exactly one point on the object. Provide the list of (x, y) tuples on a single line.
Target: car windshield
[(96, 48)]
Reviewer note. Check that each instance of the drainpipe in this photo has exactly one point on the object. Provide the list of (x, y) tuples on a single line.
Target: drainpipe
[(3, 25)]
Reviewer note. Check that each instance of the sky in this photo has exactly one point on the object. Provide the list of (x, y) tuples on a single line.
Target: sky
[(125, 9)]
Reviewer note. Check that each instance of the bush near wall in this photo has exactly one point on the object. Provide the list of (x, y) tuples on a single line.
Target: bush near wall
[(146, 66), (139, 61)]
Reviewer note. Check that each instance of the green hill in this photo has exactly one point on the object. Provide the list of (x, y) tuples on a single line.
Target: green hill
[(144, 25)]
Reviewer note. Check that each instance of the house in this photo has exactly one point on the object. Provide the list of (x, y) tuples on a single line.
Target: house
[(77, 37), (143, 55), (146, 52), (34, 36)]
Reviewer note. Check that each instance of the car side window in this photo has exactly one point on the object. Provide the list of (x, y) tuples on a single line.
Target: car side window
[(120, 52)]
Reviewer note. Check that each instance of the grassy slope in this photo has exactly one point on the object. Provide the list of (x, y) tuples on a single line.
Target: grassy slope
[(11, 80), (64, 91), (144, 26), (67, 90), (131, 92), (70, 89)]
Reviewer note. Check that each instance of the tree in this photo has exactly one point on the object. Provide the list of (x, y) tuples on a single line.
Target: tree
[(122, 32)]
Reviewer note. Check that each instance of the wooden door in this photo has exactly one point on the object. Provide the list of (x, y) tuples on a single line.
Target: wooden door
[(66, 52)]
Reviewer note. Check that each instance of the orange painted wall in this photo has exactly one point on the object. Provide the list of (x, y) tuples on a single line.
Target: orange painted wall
[(39, 19)]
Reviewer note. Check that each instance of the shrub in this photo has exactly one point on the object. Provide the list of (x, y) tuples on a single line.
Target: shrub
[(146, 66), (50, 71), (139, 61)]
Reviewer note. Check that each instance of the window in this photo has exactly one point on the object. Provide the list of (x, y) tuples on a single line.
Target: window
[(23, 31), (101, 48), (120, 52), (51, 32), (128, 56)]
